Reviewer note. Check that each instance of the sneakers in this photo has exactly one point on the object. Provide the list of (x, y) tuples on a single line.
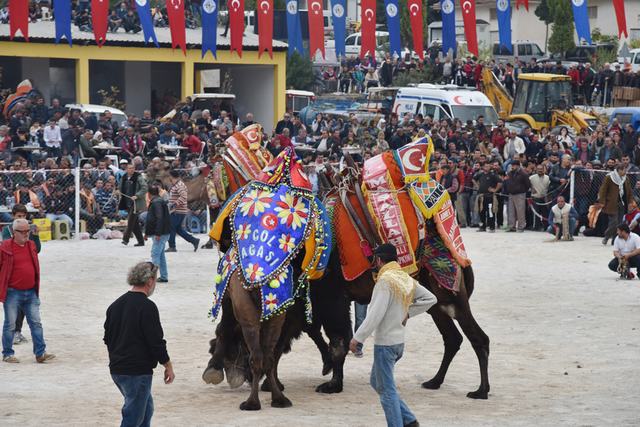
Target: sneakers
[(139, 244), (162, 280), (18, 338), (10, 359), (171, 250), (359, 354), (45, 357)]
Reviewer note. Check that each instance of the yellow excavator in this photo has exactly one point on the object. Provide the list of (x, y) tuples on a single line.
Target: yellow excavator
[(541, 100)]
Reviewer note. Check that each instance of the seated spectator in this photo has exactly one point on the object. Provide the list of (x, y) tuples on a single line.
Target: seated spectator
[(115, 21), (25, 196), (86, 145), (59, 206), (131, 23), (557, 215), (131, 143), (626, 251), (83, 21), (192, 142), (89, 209), (106, 200)]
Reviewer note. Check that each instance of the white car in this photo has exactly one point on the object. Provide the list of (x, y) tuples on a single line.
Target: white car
[(354, 41), (117, 116)]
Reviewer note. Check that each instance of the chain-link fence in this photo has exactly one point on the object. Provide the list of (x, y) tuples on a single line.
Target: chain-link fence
[(88, 202)]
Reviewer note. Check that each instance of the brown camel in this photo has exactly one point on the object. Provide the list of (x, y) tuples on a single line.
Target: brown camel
[(260, 339)]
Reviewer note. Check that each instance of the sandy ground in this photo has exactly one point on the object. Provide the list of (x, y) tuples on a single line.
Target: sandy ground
[(565, 341)]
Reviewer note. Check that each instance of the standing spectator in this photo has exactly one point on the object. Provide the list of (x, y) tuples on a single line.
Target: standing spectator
[(588, 82), (158, 226), (516, 185), (539, 189), (133, 188), (52, 139), (488, 185), (178, 198), (614, 197), (19, 290), (285, 123), (135, 341), (396, 298)]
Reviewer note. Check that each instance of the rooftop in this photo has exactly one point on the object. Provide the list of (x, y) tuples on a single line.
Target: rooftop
[(44, 32)]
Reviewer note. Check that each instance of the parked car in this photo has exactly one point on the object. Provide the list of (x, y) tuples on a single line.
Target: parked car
[(524, 50), (298, 99), (582, 53), (354, 41), (634, 60), (117, 116)]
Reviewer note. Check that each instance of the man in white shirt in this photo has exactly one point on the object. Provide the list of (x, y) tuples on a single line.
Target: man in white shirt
[(396, 297), (626, 251), (52, 139)]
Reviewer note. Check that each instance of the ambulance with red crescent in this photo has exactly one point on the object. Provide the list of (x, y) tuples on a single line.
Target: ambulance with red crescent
[(444, 102)]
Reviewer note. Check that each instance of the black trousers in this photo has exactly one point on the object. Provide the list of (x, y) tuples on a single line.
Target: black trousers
[(487, 217), (633, 262), (133, 226)]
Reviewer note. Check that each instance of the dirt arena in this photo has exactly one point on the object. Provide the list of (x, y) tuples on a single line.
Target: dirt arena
[(565, 341)]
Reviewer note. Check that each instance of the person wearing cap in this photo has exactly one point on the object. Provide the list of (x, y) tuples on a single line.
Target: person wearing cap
[(396, 297), (133, 188)]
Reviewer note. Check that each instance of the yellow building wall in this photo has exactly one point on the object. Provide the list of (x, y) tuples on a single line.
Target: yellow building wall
[(83, 54)]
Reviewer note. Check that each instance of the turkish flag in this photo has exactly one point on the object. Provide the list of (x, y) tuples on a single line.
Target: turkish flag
[(236, 24), (19, 18), (316, 28), (368, 28), (265, 26), (518, 2), (99, 16), (415, 17), (621, 18), (175, 11), (469, 18)]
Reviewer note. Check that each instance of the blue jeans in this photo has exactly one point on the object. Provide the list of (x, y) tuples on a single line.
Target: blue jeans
[(360, 314), (177, 228), (29, 302), (157, 254), (572, 227), (396, 411), (138, 403)]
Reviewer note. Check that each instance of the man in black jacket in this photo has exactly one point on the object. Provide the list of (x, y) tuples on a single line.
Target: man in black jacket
[(133, 188), (158, 226), (516, 184), (135, 341)]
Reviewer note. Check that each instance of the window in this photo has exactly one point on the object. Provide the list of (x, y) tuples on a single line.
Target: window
[(351, 41), (593, 12), (636, 60), (535, 49), (524, 50)]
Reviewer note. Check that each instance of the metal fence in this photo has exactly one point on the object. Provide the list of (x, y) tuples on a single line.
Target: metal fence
[(70, 202)]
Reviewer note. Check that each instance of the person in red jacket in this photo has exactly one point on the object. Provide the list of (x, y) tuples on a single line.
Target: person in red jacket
[(19, 289), (192, 142)]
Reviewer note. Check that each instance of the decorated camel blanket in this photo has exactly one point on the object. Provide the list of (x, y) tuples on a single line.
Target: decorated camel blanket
[(272, 221), (244, 156), (401, 196)]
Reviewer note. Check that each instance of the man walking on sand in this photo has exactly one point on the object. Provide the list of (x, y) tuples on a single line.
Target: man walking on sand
[(19, 290), (396, 297), (158, 226), (178, 208), (135, 340)]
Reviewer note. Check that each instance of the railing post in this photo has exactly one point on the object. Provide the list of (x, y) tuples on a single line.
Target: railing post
[(572, 187), (77, 202)]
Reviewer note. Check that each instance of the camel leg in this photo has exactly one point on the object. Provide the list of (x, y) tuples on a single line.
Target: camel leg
[(338, 355), (248, 315), (316, 335), (270, 333), (214, 373), (452, 341), (480, 343)]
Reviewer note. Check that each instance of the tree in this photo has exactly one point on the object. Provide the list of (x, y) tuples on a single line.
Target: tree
[(300, 72), (561, 38), (544, 14)]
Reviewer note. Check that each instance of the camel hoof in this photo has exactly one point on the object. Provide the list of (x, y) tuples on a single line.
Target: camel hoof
[(235, 377), (213, 376), (432, 384), (478, 394), (326, 368), (249, 405), (282, 402), (330, 387)]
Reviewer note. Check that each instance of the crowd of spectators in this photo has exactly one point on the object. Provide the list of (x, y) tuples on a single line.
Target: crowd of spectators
[(356, 75)]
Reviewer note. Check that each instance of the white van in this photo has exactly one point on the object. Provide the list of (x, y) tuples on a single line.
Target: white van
[(524, 50), (117, 116), (354, 41), (445, 101), (634, 60)]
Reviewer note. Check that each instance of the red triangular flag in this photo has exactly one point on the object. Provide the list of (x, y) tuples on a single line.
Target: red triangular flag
[(19, 18), (236, 24), (368, 28), (316, 28), (469, 18), (99, 16), (524, 2), (175, 11), (621, 18), (265, 27)]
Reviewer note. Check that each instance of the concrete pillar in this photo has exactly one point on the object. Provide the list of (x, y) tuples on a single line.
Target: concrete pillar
[(82, 81), (37, 70), (186, 88), (137, 86)]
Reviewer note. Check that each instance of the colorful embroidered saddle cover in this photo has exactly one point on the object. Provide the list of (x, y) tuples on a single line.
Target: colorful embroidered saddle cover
[(271, 223), (402, 196)]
